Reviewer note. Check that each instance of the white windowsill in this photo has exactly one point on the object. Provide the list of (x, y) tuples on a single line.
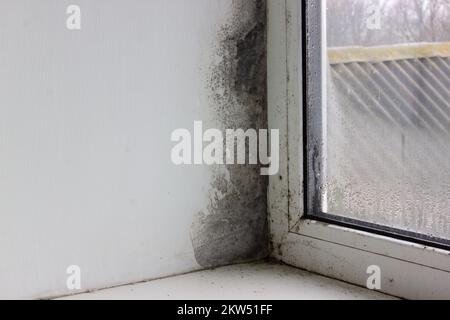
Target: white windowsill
[(256, 281)]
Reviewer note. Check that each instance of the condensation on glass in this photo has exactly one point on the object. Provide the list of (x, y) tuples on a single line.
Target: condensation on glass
[(386, 144)]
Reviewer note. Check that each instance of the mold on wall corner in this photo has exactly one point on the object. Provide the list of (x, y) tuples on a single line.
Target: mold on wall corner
[(233, 228)]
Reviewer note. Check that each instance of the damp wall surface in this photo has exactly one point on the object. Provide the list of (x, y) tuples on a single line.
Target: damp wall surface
[(86, 118)]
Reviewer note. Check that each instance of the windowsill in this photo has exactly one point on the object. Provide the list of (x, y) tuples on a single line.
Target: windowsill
[(255, 281)]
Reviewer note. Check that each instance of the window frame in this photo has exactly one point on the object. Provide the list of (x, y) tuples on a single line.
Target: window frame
[(408, 269)]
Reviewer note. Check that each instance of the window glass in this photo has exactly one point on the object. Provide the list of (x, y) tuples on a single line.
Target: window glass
[(386, 113)]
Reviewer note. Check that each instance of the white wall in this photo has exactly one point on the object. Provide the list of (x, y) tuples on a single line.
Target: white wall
[(85, 123)]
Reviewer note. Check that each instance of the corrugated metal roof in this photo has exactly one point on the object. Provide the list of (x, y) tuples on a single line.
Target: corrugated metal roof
[(405, 91)]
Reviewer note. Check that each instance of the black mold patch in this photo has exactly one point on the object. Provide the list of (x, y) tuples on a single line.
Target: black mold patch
[(235, 227)]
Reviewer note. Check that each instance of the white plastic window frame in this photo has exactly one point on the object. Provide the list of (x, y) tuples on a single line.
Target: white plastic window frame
[(408, 270)]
